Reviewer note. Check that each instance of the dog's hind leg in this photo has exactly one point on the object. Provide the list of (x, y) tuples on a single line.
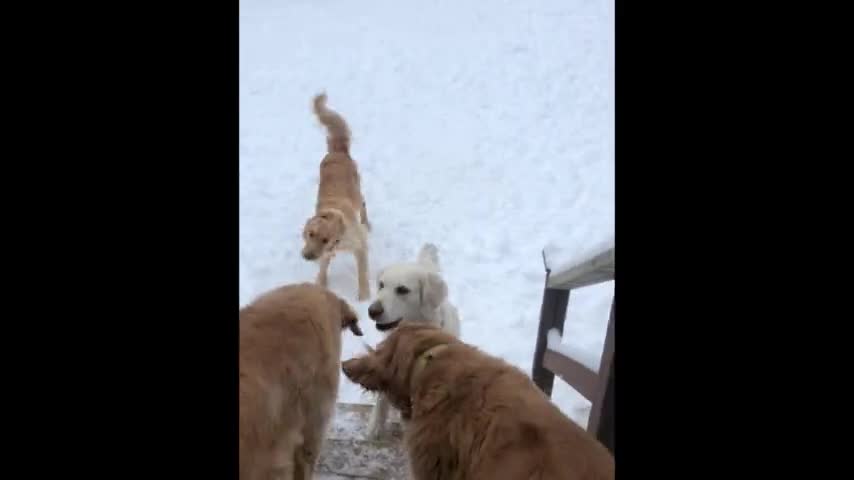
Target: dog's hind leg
[(364, 215), (362, 267), (299, 470), (306, 457), (313, 435), (303, 464), (286, 464)]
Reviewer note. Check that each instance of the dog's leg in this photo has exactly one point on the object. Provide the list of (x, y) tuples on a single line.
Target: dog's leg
[(362, 267), (379, 414), (297, 474), (322, 279), (313, 435), (304, 460), (364, 215), (281, 473), (308, 456), (285, 464), (301, 470)]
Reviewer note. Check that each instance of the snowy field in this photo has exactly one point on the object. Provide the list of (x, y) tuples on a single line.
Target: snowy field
[(483, 126)]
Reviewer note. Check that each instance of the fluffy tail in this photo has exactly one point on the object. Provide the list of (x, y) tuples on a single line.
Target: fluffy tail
[(429, 255), (337, 131)]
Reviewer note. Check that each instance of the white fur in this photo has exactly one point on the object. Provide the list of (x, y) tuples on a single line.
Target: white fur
[(426, 301)]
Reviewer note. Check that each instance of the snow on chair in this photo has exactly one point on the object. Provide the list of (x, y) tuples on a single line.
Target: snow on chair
[(595, 386)]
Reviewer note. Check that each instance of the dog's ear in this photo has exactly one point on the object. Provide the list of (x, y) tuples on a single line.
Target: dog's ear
[(349, 319), (335, 220), (365, 371), (434, 291), (338, 221)]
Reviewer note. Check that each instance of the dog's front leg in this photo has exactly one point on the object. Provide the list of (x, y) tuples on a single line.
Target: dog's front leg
[(362, 266), (322, 275), (379, 414)]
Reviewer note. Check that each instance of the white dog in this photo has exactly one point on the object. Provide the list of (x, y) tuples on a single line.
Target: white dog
[(411, 292)]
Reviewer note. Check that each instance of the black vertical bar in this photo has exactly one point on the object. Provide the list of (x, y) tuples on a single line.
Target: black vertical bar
[(605, 432), (552, 315), (604, 373)]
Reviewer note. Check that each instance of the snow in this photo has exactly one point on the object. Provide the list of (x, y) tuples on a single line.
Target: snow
[(485, 127), (589, 357), (346, 451), (561, 257)]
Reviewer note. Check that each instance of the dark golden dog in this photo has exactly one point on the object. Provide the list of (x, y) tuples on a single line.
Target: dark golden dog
[(472, 416)]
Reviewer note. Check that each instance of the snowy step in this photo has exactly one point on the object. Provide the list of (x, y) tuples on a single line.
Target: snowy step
[(348, 454), (332, 476)]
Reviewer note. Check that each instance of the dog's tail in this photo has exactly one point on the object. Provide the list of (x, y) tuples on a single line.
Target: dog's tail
[(337, 131), (429, 255)]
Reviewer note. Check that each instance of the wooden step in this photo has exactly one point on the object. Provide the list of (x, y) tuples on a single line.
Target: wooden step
[(348, 454)]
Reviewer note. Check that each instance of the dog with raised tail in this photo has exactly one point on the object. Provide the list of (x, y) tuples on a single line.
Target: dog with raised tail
[(340, 221), (410, 293)]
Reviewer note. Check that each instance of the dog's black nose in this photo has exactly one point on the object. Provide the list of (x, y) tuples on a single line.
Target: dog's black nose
[(375, 310)]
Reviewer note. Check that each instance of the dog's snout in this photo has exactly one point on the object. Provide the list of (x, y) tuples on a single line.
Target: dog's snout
[(308, 255), (375, 310), (347, 368)]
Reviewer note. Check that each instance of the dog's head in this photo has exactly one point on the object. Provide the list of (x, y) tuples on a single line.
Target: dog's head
[(405, 292), (389, 368), (321, 234)]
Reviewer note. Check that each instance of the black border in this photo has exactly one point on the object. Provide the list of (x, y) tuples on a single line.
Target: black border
[(692, 207), (128, 263), (125, 308)]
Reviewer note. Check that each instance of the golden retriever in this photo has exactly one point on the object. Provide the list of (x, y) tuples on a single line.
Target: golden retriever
[(340, 222), (290, 349), (473, 416)]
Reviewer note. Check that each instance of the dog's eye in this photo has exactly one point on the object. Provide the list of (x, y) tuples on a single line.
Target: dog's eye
[(310, 234), (325, 240), (401, 290), (381, 285)]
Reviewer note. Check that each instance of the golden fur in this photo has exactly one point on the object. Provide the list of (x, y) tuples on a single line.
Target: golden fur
[(290, 349), (340, 222), (473, 416)]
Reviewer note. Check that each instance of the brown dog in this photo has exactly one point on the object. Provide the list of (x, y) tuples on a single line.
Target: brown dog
[(473, 416), (290, 349), (340, 222)]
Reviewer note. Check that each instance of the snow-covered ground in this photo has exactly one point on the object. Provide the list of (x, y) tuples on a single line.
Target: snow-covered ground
[(483, 126)]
